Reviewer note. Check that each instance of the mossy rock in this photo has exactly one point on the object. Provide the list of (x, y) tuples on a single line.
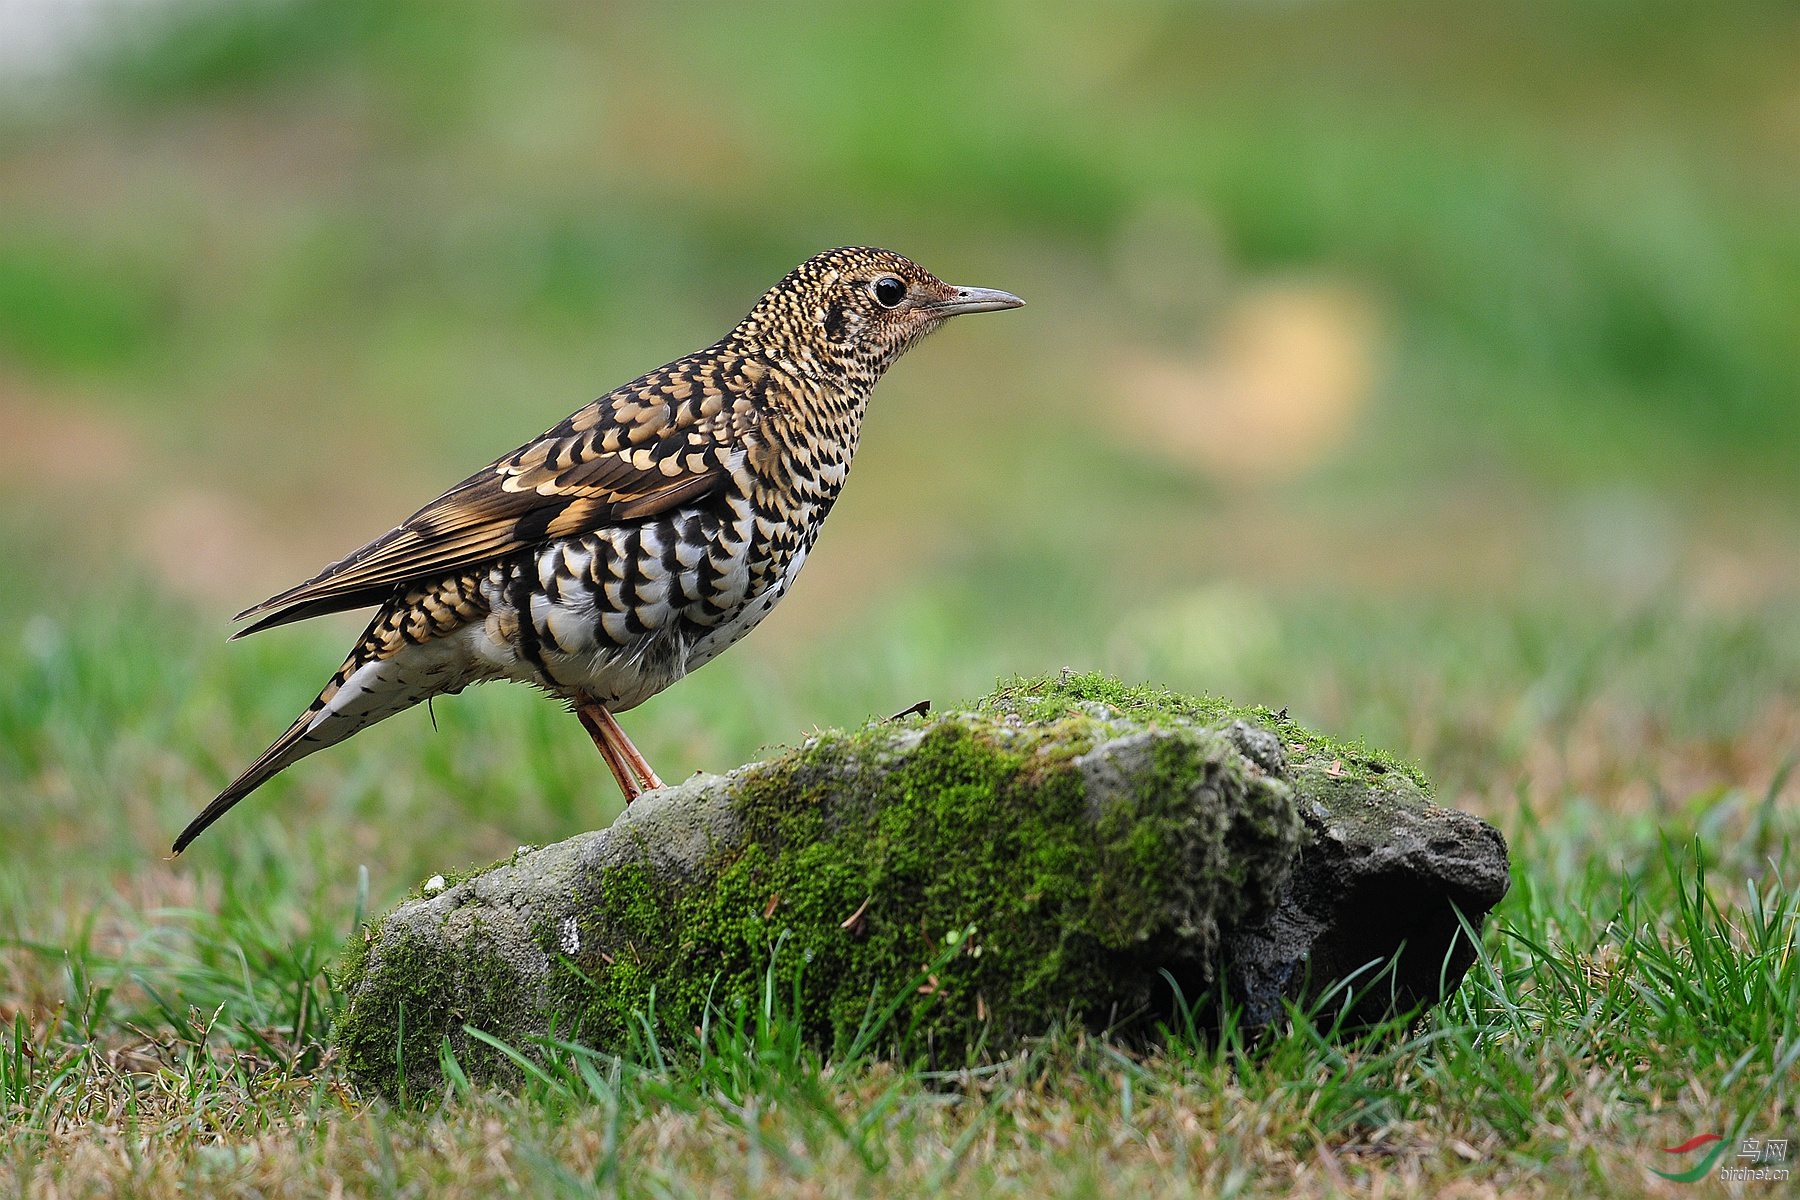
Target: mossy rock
[(1067, 851)]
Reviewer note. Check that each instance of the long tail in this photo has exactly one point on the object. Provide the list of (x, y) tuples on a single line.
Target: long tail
[(287, 749), (315, 730), (384, 674)]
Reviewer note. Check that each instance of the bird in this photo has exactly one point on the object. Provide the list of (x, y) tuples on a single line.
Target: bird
[(634, 541)]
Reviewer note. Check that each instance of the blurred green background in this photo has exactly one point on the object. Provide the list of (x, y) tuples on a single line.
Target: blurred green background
[(1427, 368)]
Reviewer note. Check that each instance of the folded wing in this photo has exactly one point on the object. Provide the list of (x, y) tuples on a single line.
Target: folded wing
[(661, 442)]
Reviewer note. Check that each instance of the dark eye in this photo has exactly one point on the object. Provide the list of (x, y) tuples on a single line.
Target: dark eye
[(889, 291)]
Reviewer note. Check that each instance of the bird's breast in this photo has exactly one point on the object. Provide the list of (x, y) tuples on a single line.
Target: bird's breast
[(624, 611)]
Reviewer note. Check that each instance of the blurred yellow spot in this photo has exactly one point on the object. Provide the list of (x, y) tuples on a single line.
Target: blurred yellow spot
[(1278, 391)]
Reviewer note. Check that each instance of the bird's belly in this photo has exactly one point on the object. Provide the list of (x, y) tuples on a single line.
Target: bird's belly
[(562, 645), (570, 621), (414, 671), (616, 680)]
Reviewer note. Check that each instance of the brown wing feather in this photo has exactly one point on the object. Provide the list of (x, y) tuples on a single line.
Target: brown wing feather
[(659, 442)]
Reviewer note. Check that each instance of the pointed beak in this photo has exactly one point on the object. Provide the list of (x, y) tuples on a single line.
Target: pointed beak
[(973, 300)]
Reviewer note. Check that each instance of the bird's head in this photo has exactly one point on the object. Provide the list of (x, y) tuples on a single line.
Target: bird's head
[(858, 308)]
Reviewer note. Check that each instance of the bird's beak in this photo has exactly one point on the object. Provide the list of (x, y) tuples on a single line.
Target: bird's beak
[(971, 300)]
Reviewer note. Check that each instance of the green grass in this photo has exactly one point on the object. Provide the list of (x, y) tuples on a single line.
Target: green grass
[(1614, 1011), (166, 1025)]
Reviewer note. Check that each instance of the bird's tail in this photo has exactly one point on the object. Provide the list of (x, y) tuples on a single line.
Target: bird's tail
[(366, 689)]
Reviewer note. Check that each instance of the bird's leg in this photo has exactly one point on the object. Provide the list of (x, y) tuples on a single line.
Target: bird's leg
[(615, 762), (634, 758), (627, 763)]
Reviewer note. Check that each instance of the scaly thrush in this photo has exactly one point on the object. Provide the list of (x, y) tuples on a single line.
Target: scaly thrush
[(636, 540)]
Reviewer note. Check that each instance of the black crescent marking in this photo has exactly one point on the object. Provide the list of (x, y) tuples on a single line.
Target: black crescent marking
[(530, 647)]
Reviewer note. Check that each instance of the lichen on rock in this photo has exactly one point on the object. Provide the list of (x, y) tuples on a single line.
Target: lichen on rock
[(1058, 853)]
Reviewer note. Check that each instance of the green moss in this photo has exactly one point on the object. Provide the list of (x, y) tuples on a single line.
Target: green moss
[(459, 875), (389, 1034), (1049, 697), (861, 864), (414, 981)]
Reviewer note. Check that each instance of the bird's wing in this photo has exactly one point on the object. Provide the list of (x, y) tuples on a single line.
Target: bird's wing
[(661, 441)]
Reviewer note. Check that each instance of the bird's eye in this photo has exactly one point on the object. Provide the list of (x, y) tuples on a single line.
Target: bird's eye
[(889, 291)]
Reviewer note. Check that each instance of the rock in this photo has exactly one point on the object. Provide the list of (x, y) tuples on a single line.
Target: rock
[(1061, 853)]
